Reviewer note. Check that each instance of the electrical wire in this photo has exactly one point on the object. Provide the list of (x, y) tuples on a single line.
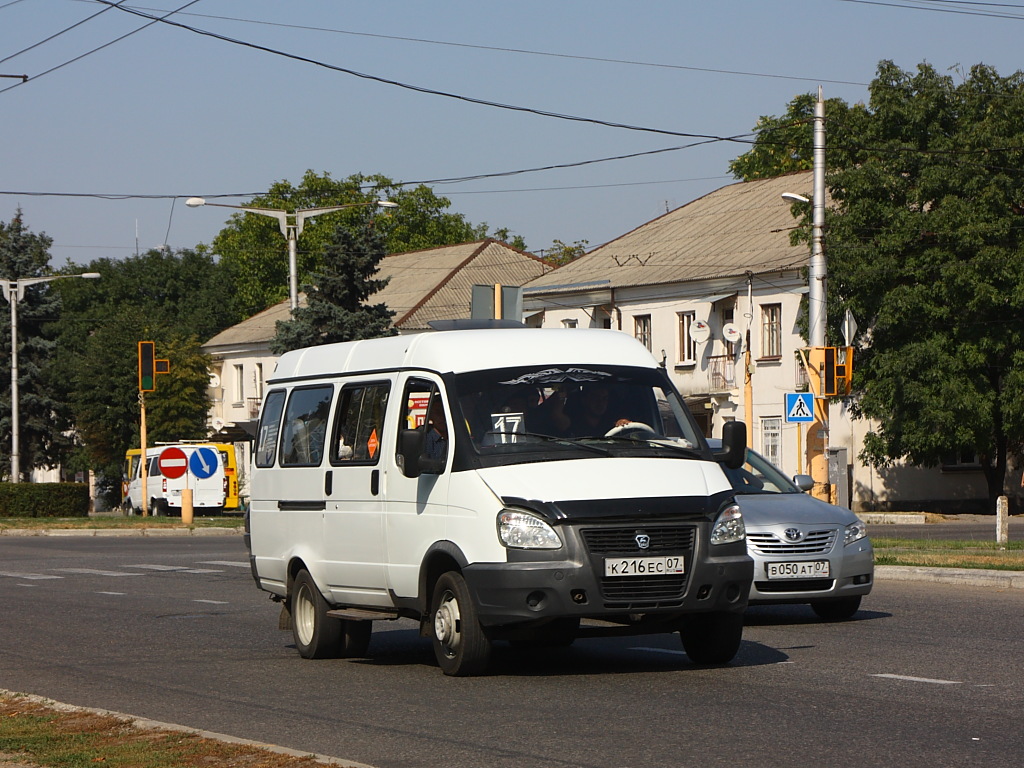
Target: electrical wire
[(115, 6), (58, 34)]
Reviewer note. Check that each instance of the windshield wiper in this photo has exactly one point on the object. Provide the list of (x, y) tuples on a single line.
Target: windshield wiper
[(571, 442), (658, 441)]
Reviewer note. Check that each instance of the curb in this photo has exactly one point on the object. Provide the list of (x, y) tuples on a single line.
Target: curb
[(973, 577), (156, 725), (116, 532)]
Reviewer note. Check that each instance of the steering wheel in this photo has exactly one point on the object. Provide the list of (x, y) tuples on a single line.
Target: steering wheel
[(625, 429)]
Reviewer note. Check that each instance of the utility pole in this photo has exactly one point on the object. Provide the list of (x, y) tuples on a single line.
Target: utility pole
[(817, 439)]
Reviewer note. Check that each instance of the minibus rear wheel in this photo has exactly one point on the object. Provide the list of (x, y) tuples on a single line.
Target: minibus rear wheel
[(316, 635), (460, 644)]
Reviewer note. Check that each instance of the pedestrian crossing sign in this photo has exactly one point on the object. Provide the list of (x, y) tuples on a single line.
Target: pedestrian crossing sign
[(799, 407)]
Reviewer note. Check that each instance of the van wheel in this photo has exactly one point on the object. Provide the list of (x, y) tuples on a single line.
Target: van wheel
[(712, 638), (460, 645), (355, 639), (836, 610), (316, 635)]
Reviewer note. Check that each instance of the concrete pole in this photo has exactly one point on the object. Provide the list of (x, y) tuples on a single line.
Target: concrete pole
[(15, 418), (293, 266), (818, 437)]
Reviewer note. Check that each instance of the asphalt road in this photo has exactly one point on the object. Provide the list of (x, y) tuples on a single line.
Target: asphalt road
[(175, 630)]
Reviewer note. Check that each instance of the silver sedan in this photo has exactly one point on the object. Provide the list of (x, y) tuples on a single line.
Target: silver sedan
[(804, 550)]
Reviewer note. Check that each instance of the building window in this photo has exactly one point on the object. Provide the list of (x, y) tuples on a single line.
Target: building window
[(239, 384), (570, 323), (642, 330), (258, 376), (771, 439), (687, 344), (771, 330)]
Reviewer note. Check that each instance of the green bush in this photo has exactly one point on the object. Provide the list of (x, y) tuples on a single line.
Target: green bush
[(44, 500)]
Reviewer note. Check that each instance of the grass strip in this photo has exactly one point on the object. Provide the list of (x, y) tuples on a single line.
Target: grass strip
[(33, 732)]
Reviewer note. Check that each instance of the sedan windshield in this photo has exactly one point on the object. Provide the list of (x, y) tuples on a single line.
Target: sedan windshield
[(596, 409), (759, 475)]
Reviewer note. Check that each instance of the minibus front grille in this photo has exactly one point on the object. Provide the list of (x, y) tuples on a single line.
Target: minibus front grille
[(641, 593)]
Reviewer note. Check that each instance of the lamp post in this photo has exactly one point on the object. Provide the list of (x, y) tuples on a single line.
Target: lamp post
[(291, 223), (14, 291)]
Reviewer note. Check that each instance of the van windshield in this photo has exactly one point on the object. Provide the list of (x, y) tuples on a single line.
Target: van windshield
[(595, 409)]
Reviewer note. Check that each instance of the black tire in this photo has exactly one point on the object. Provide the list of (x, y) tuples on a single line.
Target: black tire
[(712, 638), (355, 639), (836, 610), (316, 635), (460, 644)]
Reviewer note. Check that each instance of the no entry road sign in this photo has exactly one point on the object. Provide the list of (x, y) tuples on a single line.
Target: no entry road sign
[(173, 462)]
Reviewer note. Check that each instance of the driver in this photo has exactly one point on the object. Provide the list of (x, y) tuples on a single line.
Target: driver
[(591, 418)]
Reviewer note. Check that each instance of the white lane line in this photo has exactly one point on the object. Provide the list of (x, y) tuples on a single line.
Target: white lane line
[(29, 576), (224, 562), (174, 568), (115, 594), (658, 650), (96, 572), (211, 602), (910, 679)]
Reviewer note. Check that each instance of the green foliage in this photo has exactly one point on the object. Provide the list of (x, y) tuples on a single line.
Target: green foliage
[(253, 250), (44, 500), (560, 253), (43, 421), (336, 308), (924, 247)]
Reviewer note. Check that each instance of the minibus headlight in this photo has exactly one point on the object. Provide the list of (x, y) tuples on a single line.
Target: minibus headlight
[(729, 527), (855, 532), (521, 530)]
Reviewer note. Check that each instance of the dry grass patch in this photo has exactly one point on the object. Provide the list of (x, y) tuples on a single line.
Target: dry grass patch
[(37, 734)]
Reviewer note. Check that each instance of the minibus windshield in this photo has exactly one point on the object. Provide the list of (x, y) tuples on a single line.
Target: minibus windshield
[(598, 408)]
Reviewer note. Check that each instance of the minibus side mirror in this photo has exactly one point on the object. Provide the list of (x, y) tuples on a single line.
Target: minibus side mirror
[(410, 446), (734, 444)]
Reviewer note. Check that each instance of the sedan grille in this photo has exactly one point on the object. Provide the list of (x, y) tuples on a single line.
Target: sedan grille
[(813, 543), (795, 585)]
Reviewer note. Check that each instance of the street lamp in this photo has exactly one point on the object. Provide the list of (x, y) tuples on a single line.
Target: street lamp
[(14, 291), (290, 229)]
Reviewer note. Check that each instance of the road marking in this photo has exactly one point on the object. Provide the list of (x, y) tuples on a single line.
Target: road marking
[(211, 602), (224, 562), (920, 679), (659, 650), (95, 572), (173, 568), (29, 576), (115, 594)]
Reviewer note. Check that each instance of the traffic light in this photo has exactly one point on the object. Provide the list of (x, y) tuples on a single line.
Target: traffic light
[(149, 366), (832, 371)]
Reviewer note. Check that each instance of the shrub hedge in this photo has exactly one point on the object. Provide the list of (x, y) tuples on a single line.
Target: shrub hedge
[(44, 500)]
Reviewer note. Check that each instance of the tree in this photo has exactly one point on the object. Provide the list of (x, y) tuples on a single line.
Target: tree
[(43, 439), (252, 249), (926, 245), (560, 253), (336, 308)]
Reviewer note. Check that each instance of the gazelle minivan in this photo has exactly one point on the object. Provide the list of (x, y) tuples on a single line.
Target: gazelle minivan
[(507, 484)]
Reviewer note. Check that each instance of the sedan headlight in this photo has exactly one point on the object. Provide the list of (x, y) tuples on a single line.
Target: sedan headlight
[(855, 532), (729, 526), (521, 530)]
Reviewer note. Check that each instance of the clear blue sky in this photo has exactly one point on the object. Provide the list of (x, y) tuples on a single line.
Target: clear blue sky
[(167, 111)]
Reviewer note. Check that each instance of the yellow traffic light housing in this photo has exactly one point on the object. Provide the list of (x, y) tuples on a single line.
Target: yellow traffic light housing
[(831, 371), (149, 366)]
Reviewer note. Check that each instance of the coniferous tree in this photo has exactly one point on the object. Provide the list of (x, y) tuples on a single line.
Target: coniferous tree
[(336, 308)]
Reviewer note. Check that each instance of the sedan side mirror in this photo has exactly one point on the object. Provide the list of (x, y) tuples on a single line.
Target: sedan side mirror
[(734, 445), (803, 482)]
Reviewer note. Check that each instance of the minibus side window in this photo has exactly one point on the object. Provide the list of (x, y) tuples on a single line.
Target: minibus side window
[(270, 426), (305, 426), (359, 424)]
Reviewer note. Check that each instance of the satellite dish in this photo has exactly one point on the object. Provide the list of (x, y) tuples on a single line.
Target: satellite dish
[(700, 331), (217, 423), (214, 380), (731, 333)]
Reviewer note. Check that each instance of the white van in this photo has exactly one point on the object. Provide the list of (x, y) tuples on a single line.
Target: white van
[(493, 485), (205, 475)]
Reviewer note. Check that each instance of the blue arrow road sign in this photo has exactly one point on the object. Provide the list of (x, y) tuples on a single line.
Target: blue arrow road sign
[(799, 407), (203, 462)]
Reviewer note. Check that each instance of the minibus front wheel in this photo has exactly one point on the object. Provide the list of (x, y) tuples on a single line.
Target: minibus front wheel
[(460, 644)]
